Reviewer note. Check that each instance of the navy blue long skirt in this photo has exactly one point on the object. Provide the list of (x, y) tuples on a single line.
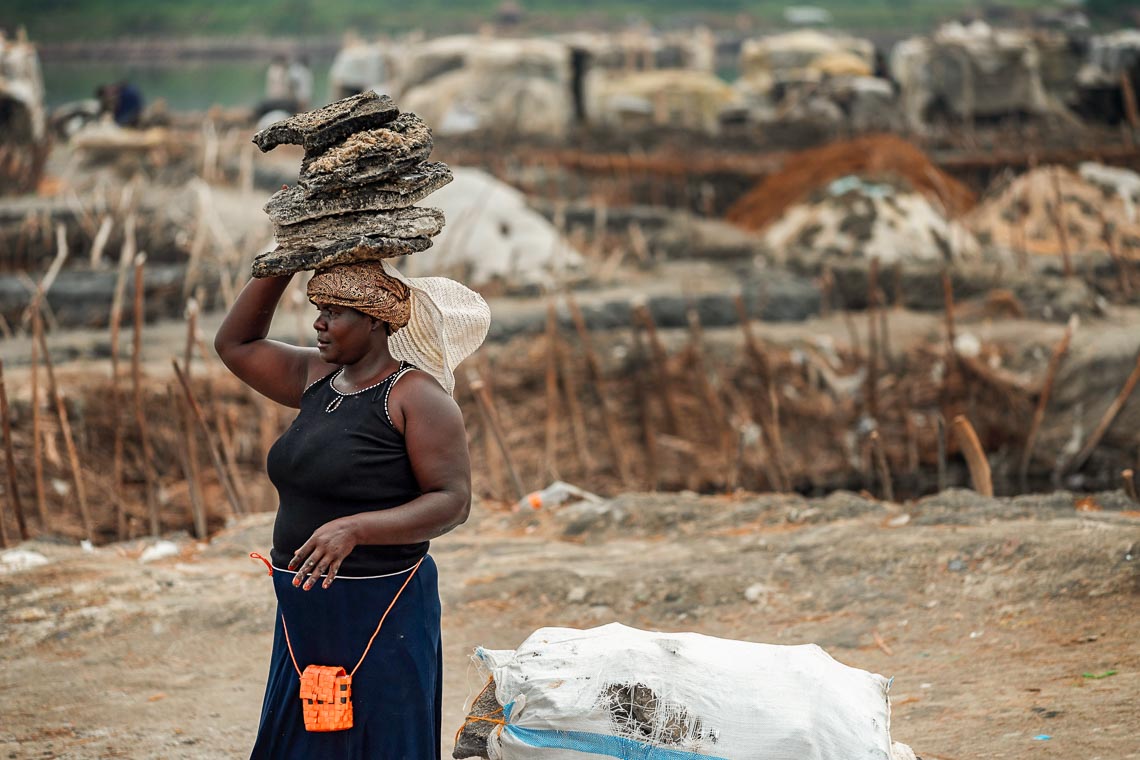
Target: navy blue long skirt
[(396, 693)]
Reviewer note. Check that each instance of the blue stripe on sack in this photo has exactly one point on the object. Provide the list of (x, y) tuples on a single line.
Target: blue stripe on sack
[(599, 744)]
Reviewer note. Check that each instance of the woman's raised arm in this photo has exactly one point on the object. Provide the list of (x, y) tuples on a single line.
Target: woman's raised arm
[(271, 368)]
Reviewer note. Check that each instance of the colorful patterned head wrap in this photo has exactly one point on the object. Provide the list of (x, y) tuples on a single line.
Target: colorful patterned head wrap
[(365, 287)]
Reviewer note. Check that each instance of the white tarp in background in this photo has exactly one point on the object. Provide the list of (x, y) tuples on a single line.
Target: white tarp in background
[(491, 235), (615, 691)]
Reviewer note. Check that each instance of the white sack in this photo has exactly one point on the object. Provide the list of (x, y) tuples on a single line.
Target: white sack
[(715, 698)]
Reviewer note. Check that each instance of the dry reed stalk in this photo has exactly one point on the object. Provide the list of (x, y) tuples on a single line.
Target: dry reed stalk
[(193, 471), (126, 258), (136, 386), (648, 430), (769, 414), (39, 298), (882, 467), (574, 407), (181, 430), (660, 363), (211, 443), (1128, 94), (487, 410), (1055, 359), (873, 339), (10, 459), (941, 431), (1107, 419), (225, 423), (68, 439), (595, 368), (775, 437), (1060, 222), (550, 452), (980, 475), (912, 462), (717, 419), (37, 443), (1130, 485), (100, 242)]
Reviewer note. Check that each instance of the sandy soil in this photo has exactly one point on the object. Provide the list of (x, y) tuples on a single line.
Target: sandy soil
[(988, 613)]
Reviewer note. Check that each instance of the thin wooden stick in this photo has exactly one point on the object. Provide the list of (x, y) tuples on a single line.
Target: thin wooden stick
[(68, 440), (911, 445), (551, 453), (1107, 419), (941, 428), (873, 339), (225, 424), (980, 474), (661, 368), (136, 385), (595, 368), (126, 258), (487, 409), (882, 466), (648, 430), (193, 471), (1055, 359), (37, 443), (574, 407), (1130, 485), (10, 458), (211, 442), (769, 414), (717, 418), (100, 242), (39, 298)]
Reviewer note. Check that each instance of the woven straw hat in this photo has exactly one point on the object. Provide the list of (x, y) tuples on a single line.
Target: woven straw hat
[(448, 322)]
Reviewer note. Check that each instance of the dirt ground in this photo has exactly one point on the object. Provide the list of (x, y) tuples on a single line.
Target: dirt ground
[(1002, 621)]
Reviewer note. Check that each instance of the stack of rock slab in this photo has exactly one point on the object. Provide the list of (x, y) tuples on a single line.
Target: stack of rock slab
[(365, 168)]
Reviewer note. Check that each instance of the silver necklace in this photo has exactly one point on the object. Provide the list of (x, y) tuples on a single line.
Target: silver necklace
[(335, 403)]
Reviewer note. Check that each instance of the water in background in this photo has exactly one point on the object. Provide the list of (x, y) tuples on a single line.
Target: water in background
[(185, 85)]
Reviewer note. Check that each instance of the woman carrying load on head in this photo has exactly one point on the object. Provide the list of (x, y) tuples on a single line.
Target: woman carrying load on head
[(374, 466)]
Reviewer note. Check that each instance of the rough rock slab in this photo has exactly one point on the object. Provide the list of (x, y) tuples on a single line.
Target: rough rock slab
[(401, 223), (320, 129), (282, 260), (297, 204), (367, 157), (471, 741)]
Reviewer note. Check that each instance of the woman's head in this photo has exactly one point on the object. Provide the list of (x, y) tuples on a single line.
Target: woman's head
[(345, 335)]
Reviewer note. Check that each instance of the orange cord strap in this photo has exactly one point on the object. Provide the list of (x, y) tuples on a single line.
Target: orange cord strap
[(268, 564), (375, 633)]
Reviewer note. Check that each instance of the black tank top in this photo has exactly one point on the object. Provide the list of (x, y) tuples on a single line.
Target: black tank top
[(342, 456)]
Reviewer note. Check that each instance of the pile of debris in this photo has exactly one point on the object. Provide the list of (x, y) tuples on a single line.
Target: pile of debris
[(854, 218), (963, 72), (877, 158), (1052, 210), (365, 167)]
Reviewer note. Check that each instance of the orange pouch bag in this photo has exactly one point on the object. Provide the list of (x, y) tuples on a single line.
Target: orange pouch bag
[(326, 698), (326, 690)]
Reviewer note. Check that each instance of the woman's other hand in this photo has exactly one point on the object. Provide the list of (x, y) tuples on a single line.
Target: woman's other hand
[(323, 553)]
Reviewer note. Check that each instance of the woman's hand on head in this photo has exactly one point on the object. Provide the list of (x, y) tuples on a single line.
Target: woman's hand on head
[(323, 553)]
